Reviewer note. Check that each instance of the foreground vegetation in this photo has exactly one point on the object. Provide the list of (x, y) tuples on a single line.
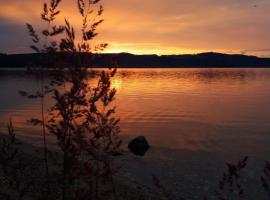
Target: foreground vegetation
[(81, 119), (23, 175)]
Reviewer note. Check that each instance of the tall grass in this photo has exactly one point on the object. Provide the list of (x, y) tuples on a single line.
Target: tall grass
[(82, 117)]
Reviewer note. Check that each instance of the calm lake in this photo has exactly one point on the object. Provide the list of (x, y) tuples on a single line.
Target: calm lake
[(195, 117), (195, 109)]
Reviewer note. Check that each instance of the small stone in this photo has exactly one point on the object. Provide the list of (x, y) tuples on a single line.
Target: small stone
[(139, 146)]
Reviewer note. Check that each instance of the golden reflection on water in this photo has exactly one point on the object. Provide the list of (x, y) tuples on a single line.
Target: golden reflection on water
[(117, 83), (195, 109)]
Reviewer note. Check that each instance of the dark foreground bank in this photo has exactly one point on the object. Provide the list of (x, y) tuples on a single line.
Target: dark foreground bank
[(173, 172)]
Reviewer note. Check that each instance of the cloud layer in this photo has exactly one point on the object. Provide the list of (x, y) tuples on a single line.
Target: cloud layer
[(157, 26)]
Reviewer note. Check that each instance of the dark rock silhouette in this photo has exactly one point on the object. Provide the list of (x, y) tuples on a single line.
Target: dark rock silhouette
[(139, 146)]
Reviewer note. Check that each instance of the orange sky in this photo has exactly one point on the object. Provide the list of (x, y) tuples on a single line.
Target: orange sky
[(156, 26)]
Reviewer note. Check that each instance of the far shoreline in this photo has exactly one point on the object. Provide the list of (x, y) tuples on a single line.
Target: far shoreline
[(126, 60)]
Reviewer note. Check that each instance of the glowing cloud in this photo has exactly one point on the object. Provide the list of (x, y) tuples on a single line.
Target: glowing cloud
[(157, 26)]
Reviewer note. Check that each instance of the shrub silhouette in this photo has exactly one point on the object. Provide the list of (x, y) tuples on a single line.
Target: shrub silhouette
[(82, 116), (230, 186), (266, 179), (13, 168)]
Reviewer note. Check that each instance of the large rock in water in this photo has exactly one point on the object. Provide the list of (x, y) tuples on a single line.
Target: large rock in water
[(139, 146)]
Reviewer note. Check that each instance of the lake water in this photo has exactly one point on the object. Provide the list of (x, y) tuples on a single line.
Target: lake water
[(197, 109), (215, 114)]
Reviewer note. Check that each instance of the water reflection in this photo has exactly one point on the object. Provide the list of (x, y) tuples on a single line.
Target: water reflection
[(195, 109)]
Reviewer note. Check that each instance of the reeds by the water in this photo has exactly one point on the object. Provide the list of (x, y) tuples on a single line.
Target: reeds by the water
[(81, 118)]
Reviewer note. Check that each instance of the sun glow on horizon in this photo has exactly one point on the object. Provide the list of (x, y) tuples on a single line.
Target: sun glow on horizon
[(187, 27), (158, 49), (147, 49)]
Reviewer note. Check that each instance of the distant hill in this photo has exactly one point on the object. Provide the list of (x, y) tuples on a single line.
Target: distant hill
[(126, 60)]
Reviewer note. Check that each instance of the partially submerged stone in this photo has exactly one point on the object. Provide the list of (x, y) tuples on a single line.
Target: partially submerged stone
[(139, 146)]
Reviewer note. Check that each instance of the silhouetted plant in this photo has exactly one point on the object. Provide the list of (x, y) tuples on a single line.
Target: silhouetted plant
[(81, 119), (230, 186), (13, 169), (266, 178), (164, 192), (46, 48)]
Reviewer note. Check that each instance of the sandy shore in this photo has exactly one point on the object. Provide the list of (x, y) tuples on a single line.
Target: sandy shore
[(184, 173)]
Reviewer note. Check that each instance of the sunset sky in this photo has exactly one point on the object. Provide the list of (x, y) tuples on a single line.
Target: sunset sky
[(155, 26)]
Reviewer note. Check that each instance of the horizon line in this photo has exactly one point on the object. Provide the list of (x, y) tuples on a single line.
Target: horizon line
[(159, 55)]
